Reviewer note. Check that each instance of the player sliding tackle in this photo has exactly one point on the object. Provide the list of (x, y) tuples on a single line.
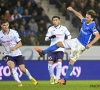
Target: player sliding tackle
[(87, 37)]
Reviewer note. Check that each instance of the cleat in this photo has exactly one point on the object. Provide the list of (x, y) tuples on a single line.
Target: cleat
[(62, 81), (39, 51), (52, 80), (56, 81), (20, 84), (33, 81)]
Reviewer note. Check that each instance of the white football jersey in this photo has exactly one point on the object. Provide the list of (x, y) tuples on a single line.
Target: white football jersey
[(10, 40), (60, 32)]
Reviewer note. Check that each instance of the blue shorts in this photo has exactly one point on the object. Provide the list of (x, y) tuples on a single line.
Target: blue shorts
[(54, 56), (17, 59)]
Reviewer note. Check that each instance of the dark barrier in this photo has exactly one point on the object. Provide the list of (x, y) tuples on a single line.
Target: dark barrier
[(83, 70)]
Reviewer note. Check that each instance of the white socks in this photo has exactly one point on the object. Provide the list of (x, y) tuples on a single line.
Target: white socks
[(50, 69), (15, 75), (58, 70), (27, 73)]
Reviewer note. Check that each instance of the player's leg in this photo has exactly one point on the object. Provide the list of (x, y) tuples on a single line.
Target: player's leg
[(49, 49), (59, 56), (76, 50), (51, 58), (20, 62), (10, 63)]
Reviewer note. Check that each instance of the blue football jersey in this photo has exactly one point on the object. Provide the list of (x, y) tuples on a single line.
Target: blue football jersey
[(87, 31)]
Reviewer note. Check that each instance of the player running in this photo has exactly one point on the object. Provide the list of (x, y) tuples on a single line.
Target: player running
[(11, 42), (87, 37), (56, 33)]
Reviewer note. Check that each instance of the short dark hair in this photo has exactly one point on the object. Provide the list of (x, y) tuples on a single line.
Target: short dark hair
[(92, 13), (4, 21), (55, 17)]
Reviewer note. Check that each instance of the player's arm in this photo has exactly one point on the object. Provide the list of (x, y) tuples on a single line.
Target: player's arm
[(75, 12), (49, 35), (18, 40), (67, 33), (19, 44), (97, 37)]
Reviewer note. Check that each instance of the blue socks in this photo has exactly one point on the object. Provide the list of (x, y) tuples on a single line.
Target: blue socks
[(51, 48), (70, 68)]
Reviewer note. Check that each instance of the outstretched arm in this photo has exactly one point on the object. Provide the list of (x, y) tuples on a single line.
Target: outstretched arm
[(75, 12)]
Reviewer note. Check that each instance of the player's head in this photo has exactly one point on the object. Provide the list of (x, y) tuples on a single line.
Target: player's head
[(90, 15), (4, 24), (56, 20)]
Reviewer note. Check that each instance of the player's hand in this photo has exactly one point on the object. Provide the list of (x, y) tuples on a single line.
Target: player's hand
[(12, 48), (70, 8), (88, 46), (53, 36)]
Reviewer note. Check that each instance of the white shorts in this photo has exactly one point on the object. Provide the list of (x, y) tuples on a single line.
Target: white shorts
[(76, 48)]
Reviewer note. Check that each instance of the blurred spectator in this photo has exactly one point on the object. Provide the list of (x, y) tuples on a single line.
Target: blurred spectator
[(76, 22), (63, 8), (7, 15), (41, 36), (22, 31), (26, 40), (33, 2), (33, 25), (29, 7), (71, 15), (98, 12), (24, 23), (82, 8), (3, 8), (26, 15), (16, 26), (31, 30), (39, 9), (91, 5), (33, 39), (19, 8), (44, 17), (15, 15), (35, 16), (42, 24), (97, 25)]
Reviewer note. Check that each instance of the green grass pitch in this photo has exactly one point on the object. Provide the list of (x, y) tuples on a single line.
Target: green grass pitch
[(45, 85)]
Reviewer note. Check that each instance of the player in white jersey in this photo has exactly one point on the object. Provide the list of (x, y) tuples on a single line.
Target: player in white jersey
[(87, 37), (11, 42), (56, 33)]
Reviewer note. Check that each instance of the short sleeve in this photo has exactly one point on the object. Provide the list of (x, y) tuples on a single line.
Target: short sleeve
[(94, 30), (48, 33), (83, 20), (67, 32), (16, 36)]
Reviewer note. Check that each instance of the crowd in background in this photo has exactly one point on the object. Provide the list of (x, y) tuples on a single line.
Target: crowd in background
[(81, 6), (30, 20)]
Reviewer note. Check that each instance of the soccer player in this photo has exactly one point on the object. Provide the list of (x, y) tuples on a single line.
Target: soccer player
[(11, 42), (87, 37), (56, 33)]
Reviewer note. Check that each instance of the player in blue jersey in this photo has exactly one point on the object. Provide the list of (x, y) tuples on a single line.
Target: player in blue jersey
[(87, 37)]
